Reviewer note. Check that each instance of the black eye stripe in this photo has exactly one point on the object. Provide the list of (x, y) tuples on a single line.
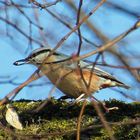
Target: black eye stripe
[(39, 52)]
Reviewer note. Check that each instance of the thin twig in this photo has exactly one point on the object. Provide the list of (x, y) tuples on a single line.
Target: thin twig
[(103, 120), (76, 27), (80, 119), (44, 5)]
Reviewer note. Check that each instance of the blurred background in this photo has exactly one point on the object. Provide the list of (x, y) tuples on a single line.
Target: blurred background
[(25, 26)]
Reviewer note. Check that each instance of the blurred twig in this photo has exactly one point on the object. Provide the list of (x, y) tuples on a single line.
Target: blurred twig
[(44, 5)]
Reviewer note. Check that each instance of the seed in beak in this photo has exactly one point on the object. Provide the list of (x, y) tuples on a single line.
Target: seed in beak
[(20, 62)]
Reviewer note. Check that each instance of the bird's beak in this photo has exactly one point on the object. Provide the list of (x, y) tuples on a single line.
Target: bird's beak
[(21, 62)]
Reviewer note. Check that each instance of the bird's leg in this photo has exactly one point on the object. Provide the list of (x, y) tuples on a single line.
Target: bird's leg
[(80, 98), (104, 105)]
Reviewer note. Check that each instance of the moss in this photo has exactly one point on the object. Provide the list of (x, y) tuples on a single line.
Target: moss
[(58, 121)]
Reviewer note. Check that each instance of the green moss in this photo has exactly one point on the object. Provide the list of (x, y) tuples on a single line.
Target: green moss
[(58, 121)]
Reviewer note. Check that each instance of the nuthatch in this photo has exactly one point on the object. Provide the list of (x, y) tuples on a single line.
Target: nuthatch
[(69, 76)]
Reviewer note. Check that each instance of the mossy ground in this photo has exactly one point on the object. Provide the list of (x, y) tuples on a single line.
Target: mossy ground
[(58, 121)]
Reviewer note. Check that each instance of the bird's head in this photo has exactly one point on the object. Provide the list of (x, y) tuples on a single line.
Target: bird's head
[(37, 57)]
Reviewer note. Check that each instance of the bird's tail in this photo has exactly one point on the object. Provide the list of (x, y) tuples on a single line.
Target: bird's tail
[(120, 84)]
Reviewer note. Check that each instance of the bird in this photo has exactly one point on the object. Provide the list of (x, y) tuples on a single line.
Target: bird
[(67, 77), (12, 117)]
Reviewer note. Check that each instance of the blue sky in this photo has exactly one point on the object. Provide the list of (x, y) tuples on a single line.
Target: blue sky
[(109, 21)]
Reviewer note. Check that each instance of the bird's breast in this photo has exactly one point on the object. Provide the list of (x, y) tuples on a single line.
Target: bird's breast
[(72, 82)]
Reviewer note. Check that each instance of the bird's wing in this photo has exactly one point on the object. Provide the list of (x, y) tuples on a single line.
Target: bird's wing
[(86, 65), (97, 71), (103, 74)]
